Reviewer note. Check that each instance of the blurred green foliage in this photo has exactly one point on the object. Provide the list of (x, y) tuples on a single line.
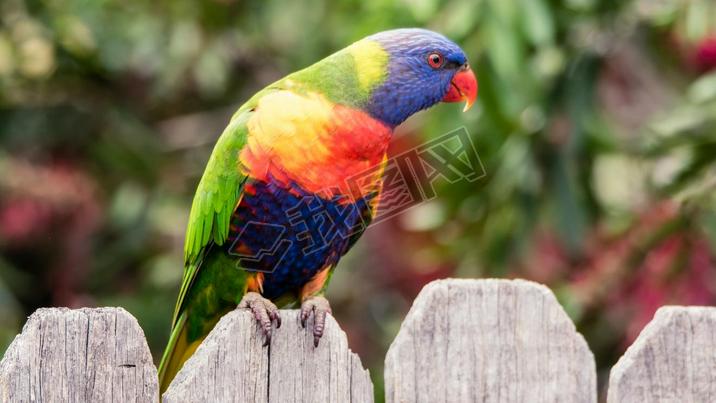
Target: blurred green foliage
[(596, 124)]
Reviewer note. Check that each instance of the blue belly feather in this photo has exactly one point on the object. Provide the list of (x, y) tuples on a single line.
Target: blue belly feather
[(290, 235)]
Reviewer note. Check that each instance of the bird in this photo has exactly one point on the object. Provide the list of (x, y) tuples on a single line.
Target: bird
[(292, 153)]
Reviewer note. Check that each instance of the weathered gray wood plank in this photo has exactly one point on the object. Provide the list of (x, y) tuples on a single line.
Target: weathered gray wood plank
[(488, 341), (672, 360), (83, 355), (231, 365)]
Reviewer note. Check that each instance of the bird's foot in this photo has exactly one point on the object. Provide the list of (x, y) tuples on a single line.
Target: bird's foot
[(264, 311), (320, 307)]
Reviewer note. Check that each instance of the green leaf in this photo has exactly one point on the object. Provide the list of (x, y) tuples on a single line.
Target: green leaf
[(537, 22)]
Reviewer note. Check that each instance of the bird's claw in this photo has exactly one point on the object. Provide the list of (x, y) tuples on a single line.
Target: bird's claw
[(320, 307), (264, 311)]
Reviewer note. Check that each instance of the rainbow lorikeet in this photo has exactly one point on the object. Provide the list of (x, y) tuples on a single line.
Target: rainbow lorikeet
[(289, 150)]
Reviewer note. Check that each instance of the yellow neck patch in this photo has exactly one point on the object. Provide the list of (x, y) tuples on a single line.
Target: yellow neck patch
[(371, 62)]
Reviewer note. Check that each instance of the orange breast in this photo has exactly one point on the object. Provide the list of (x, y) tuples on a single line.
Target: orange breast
[(324, 148)]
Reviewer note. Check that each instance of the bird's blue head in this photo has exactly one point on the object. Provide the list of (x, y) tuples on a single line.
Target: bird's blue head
[(424, 68)]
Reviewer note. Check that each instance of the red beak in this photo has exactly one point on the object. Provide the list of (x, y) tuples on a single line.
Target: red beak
[(463, 87)]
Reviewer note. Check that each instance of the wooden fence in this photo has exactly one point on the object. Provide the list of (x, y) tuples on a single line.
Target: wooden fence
[(462, 341)]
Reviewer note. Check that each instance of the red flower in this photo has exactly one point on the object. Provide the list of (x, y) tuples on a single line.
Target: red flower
[(706, 54)]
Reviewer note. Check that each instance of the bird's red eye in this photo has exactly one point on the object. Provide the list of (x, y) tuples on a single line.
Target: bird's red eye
[(435, 60)]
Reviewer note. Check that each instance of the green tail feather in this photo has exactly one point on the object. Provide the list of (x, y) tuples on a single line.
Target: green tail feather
[(216, 290), (170, 365)]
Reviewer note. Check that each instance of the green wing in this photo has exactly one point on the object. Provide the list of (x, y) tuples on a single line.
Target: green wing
[(216, 198)]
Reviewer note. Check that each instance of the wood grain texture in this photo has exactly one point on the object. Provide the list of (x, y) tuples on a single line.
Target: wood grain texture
[(82, 355), (231, 365), (672, 360), (488, 341)]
